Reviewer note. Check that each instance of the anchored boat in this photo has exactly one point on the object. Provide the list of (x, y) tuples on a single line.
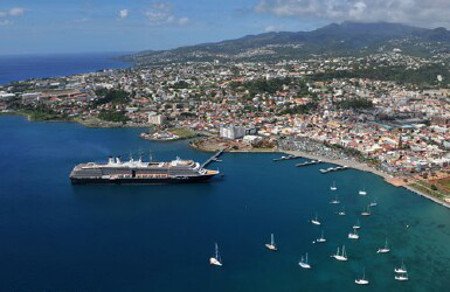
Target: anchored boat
[(304, 262), (271, 246), (215, 260)]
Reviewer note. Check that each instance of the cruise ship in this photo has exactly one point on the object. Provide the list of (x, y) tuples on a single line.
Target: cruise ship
[(140, 172)]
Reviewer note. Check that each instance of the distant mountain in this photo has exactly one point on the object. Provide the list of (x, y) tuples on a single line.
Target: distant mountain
[(347, 38)]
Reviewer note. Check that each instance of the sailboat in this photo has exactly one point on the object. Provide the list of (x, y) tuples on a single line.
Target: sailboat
[(363, 280), (384, 249), (353, 235), (373, 203), (362, 192), (304, 262), (335, 200), (315, 221), (333, 186), (342, 212), (402, 277), (357, 225), (401, 270), (215, 260), (271, 246), (366, 212), (321, 239), (342, 257)]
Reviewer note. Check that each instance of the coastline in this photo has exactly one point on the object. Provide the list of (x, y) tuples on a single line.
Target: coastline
[(422, 194), (364, 167), (349, 163), (395, 181)]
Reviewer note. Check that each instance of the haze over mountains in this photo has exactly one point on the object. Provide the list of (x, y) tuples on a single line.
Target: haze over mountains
[(347, 38)]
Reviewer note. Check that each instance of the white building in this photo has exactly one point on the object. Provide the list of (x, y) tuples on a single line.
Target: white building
[(155, 119), (236, 132)]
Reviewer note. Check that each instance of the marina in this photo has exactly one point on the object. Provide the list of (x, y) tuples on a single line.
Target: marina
[(310, 162), (287, 157), (157, 219), (332, 169)]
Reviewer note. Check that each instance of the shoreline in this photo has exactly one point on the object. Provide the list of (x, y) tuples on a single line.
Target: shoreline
[(349, 163), (364, 167), (390, 179)]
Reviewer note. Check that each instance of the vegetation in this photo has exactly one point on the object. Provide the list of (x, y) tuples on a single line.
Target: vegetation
[(40, 113), (355, 103), (181, 85), (299, 109), (426, 75), (111, 96), (264, 86), (183, 133), (113, 116), (425, 188)]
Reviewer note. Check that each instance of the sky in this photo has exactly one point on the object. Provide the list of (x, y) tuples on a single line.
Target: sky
[(69, 26)]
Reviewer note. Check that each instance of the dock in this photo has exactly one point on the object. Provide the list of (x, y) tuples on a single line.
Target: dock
[(287, 157), (331, 169), (212, 158), (310, 162)]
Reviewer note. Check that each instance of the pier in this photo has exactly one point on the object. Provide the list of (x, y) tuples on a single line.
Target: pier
[(310, 162), (287, 157), (212, 158), (331, 169)]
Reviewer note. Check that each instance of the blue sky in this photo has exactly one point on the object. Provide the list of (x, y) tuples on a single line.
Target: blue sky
[(50, 26)]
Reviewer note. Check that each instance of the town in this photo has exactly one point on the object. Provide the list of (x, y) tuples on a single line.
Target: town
[(338, 107)]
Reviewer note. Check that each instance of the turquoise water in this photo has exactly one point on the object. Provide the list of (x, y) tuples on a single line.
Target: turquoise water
[(55, 236)]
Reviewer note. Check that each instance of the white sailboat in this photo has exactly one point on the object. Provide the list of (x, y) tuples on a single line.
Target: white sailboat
[(271, 246), (335, 200), (342, 212), (315, 221), (357, 225), (402, 277), (384, 249), (215, 260), (373, 203), (333, 186), (401, 270), (366, 212), (321, 239), (362, 192), (304, 262), (353, 235), (342, 257), (363, 280)]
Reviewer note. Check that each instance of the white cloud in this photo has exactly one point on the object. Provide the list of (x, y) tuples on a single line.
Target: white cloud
[(161, 13), (183, 20), (16, 11), (6, 16), (12, 12), (271, 28), (420, 12), (123, 13)]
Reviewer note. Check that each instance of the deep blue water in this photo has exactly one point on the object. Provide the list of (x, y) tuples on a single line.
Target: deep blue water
[(22, 67), (59, 237)]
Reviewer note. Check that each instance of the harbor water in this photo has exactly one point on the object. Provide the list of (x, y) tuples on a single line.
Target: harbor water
[(60, 237)]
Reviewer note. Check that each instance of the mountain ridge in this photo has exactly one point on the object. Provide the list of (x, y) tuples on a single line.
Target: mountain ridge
[(346, 38)]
